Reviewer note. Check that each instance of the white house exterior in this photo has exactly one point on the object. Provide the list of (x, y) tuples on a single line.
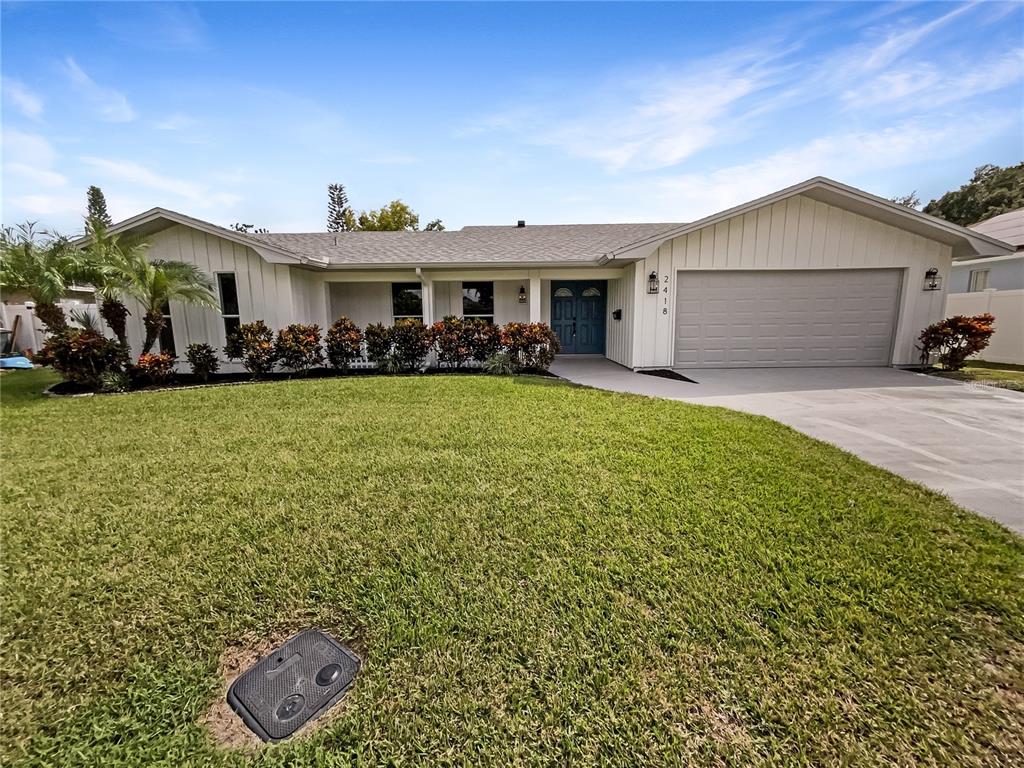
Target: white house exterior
[(995, 285), (818, 274)]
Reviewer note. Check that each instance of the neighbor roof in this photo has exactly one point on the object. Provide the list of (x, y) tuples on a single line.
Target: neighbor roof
[(1008, 227), (532, 244)]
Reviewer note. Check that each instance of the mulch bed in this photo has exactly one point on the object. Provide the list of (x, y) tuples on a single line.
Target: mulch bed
[(188, 380)]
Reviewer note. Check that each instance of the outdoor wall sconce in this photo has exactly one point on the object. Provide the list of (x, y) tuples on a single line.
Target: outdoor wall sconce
[(652, 282), (932, 281), (522, 295), (616, 314)]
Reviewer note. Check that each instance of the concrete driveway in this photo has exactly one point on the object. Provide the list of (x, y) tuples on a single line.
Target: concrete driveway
[(963, 440)]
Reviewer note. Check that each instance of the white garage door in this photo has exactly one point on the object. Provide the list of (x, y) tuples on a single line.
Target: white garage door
[(785, 318)]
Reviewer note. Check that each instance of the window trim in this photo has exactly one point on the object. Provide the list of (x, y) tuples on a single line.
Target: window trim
[(972, 280), (220, 297), (395, 318), (489, 317)]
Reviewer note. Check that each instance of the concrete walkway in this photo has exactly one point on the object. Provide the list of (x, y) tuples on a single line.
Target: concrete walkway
[(963, 440)]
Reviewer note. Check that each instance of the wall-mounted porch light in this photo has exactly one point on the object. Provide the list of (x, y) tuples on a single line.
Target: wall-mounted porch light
[(522, 295), (932, 281), (652, 282)]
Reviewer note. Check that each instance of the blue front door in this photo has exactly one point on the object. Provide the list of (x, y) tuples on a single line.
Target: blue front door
[(578, 315)]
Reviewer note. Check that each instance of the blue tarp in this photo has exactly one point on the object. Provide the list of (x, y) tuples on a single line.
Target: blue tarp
[(15, 362)]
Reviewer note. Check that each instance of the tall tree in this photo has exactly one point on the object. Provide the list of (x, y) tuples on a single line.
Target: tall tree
[(43, 265), (434, 226), (156, 283), (96, 210), (109, 269), (991, 191), (907, 201), (339, 215), (393, 217)]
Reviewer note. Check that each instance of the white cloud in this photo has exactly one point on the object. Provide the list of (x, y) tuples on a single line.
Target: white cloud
[(845, 156), (28, 160), (134, 173), (927, 85), (157, 26), (26, 101), (175, 122), (898, 44), (110, 104)]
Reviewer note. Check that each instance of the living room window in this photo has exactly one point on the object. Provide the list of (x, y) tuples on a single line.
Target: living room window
[(407, 301), (478, 300)]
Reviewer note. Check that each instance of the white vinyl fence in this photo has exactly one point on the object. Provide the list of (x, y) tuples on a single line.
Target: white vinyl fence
[(1007, 343), (31, 334)]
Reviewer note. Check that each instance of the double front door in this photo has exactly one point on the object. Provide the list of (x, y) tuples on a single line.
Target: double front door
[(578, 315)]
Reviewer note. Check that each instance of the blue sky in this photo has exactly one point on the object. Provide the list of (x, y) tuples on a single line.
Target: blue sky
[(488, 113)]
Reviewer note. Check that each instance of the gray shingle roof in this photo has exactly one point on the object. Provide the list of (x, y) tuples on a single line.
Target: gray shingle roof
[(1008, 227), (544, 243)]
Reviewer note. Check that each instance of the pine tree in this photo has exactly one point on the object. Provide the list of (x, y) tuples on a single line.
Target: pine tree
[(96, 210), (339, 214)]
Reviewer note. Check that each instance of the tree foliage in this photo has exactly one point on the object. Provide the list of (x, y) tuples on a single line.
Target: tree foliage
[(396, 216), (434, 226), (249, 229), (991, 191), (907, 201), (96, 210), (43, 265), (340, 217), (955, 339)]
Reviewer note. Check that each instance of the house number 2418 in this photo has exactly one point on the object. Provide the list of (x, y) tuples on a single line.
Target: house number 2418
[(664, 309)]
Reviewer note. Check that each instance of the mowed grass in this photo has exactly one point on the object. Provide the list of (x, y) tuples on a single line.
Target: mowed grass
[(1005, 375), (535, 574)]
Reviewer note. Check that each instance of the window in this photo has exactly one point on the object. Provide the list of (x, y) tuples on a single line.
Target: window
[(167, 332), (478, 301), (591, 292), (979, 280), (407, 301), (228, 301), (563, 293)]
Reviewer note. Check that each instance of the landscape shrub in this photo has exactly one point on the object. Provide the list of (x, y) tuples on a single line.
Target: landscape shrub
[(486, 339), (453, 338), (955, 339), (255, 347), (115, 381), (82, 356), (154, 368), (202, 358), (233, 349), (344, 343), (500, 364), (298, 347), (531, 345), (410, 344), (378, 343)]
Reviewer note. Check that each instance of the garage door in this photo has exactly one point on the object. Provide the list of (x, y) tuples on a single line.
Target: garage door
[(785, 318)]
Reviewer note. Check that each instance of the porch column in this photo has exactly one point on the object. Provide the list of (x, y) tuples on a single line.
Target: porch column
[(534, 298), (428, 296)]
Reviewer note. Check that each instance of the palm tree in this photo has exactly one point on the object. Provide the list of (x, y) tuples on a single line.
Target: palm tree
[(156, 283), (43, 265), (109, 269)]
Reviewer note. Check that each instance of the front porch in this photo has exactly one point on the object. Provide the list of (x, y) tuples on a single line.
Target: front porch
[(585, 307)]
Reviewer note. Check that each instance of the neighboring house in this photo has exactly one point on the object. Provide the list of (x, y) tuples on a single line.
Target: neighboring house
[(996, 285), (818, 274)]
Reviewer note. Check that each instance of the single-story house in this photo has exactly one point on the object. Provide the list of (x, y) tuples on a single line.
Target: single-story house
[(995, 284), (818, 274)]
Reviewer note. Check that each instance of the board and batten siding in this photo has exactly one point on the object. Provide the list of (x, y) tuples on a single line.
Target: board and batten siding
[(796, 233), (619, 337), (264, 289)]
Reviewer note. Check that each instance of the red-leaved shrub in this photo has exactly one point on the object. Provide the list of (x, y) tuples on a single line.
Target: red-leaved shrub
[(531, 345), (154, 368), (955, 339), (344, 343), (82, 356), (298, 347)]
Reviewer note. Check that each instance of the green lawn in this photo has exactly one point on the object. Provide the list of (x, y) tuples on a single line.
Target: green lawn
[(1005, 375), (535, 574)]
